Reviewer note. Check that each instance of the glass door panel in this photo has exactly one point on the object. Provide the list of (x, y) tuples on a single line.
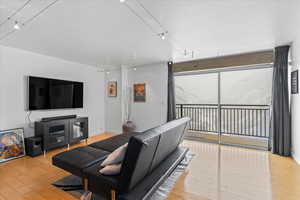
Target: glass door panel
[(197, 98), (245, 107), (78, 129)]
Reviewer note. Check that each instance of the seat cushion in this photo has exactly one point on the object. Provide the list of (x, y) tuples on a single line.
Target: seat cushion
[(112, 143), (98, 180), (75, 160)]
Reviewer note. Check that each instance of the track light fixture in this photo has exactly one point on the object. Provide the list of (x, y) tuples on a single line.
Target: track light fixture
[(144, 14), (16, 26), (163, 35)]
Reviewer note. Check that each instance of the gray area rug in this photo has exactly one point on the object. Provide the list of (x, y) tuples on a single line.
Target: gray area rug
[(73, 184)]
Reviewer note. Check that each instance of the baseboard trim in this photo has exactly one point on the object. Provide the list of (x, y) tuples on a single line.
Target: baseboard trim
[(296, 158), (114, 131)]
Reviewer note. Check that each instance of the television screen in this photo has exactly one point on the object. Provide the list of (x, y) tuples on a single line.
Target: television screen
[(47, 93)]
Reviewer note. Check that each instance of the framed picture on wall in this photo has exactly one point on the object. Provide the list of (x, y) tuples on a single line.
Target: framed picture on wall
[(139, 94), (11, 144), (112, 88)]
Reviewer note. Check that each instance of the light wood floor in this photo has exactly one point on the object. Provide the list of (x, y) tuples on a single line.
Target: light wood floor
[(216, 172), (259, 143)]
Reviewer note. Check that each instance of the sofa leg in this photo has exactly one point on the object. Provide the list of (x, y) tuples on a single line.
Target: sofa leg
[(86, 196), (85, 184), (113, 195)]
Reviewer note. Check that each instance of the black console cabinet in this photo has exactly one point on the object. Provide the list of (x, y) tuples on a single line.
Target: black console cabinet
[(61, 132)]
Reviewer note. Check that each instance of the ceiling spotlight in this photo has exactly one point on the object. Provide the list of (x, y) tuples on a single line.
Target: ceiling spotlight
[(122, 1), (163, 35), (134, 69), (16, 26), (107, 72)]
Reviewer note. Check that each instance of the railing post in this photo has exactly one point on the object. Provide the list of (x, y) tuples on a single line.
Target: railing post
[(181, 110)]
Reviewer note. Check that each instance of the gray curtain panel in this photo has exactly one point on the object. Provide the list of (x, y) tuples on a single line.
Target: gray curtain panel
[(171, 115), (281, 119)]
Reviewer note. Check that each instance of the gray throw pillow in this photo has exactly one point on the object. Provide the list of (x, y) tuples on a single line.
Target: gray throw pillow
[(116, 157), (111, 169)]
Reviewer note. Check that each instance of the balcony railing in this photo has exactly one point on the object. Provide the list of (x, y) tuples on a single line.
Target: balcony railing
[(241, 120)]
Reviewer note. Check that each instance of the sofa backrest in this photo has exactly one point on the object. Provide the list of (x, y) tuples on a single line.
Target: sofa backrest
[(147, 150)]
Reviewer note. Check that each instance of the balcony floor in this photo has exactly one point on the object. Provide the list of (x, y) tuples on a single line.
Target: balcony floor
[(244, 141)]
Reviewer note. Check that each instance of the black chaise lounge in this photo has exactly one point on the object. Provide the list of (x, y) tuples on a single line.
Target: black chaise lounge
[(150, 158)]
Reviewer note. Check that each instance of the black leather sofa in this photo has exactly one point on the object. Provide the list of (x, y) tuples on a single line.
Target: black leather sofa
[(150, 158)]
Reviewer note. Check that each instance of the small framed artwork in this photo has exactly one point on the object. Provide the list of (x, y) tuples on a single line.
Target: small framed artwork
[(294, 82), (11, 144), (139, 92), (112, 88)]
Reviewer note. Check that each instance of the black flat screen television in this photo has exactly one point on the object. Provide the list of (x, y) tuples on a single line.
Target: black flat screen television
[(46, 94)]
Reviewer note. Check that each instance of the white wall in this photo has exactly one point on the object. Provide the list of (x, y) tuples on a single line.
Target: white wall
[(144, 115), (154, 111), (295, 101), (17, 64), (113, 117), (1, 89), (288, 31)]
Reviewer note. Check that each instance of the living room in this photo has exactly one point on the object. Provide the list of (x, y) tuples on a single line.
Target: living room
[(125, 58)]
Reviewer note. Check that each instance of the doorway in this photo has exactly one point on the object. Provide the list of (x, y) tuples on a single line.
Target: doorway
[(227, 106)]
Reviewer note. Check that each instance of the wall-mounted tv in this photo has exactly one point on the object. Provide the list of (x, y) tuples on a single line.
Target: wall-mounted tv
[(46, 94)]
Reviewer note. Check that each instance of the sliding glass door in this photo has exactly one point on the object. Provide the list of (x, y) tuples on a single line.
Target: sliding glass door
[(229, 106), (197, 98), (245, 107)]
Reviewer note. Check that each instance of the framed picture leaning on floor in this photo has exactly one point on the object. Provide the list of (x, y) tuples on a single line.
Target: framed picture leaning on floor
[(11, 144)]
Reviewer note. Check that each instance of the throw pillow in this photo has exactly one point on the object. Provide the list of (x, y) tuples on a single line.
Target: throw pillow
[(111, 169), (116, 156)]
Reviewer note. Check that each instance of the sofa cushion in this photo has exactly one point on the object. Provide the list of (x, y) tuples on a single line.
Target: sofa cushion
[(76, 160), (169, 140), (112, 143), (147, 150), (138, 159), (152, 181), (97, 179)]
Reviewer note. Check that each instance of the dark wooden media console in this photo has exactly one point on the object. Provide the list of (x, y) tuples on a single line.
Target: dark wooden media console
[(58, 132)]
